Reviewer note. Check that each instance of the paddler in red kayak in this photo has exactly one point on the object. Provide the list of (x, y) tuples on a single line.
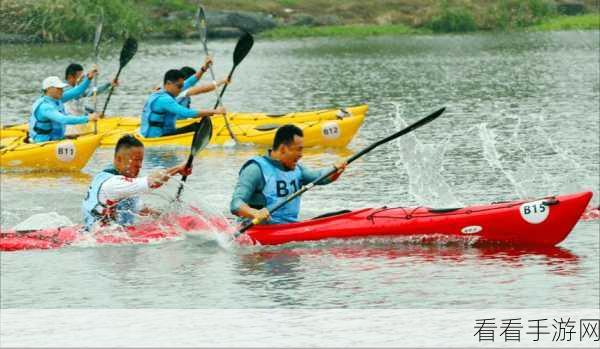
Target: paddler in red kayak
[(266, 180), (113, 194)]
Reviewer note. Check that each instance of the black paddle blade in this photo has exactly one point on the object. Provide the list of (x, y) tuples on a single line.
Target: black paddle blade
[(128, 51), (242, 48), (201, 23), (202, 135)]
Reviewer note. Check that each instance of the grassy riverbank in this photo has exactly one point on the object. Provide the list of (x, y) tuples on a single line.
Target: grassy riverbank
[(75, 20), (584, 22), (350, 30)]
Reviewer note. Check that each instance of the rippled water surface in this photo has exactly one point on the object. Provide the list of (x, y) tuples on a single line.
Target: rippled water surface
[(522, 120)]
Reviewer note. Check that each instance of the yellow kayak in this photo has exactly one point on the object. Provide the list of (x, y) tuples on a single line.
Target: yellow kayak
[(64, 155), (325, 128), (132, 123), (11, 137)]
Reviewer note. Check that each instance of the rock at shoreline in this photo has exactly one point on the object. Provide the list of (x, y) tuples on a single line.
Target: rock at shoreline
[(18, 39), (252, 22), (570, 7)]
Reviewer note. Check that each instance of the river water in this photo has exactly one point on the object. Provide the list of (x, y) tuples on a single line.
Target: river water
[(522, 120)]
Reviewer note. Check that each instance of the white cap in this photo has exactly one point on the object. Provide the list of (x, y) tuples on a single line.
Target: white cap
[(53, 81)]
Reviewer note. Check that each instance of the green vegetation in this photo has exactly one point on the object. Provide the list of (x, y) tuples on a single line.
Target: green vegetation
[(75, 20), (512, 14), (452, 19), (72, 20), (584, 22), (339, 31)]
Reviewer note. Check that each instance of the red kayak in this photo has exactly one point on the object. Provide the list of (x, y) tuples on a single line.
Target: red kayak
[(543, 222)]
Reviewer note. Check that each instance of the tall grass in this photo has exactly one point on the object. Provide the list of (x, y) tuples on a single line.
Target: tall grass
[(69, 20), (452, 19), (512, 14)]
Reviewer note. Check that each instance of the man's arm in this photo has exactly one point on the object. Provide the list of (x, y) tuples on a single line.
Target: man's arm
[(56, 116), (196, 90), (309, 175), (249, 182), (170, 105), (189, 82), (76, 91), (100, 89), (120, 187)]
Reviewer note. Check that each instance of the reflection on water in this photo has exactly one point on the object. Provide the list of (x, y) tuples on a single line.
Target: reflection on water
[(284, 260)]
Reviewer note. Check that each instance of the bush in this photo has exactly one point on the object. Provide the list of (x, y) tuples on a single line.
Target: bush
[(453, 20), (70, 20), (518, 13)]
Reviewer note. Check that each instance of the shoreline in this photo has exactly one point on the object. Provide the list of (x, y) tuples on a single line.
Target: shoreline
[(559, 23)]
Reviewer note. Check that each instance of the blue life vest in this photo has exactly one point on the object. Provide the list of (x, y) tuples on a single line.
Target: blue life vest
[(123, 212), (43, 129), (155, 124), (279, 185)]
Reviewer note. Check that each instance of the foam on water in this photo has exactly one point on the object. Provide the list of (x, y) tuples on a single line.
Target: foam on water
[(43, 221)]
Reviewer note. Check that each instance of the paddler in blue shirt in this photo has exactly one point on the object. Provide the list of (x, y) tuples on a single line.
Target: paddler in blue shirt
[(266, 180), (161, 110), (48, 116), (113, 194), (73, 77), (184, 97)]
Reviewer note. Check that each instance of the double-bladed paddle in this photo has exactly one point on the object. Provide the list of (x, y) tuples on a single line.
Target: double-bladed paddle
[(127, 52), (97, 36), (242, 48), (201, 27), (248, 224), (201, 138), (204, 130)]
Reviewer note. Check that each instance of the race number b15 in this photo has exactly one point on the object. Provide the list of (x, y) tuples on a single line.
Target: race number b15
[(534, 212)]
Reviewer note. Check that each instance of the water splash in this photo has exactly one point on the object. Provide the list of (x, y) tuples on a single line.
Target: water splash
[(520, 167), (43, 221), (490, 153), (424, 166)]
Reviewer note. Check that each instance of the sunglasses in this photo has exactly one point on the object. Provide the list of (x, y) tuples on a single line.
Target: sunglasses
[(179, 85)]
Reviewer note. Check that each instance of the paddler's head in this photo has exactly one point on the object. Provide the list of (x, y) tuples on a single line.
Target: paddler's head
[(53, 87), (288, 146), (187, 72), (173, 82), (73, 73), (129, 156)]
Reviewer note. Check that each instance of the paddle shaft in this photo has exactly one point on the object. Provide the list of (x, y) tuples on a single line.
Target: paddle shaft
[(224, 87), (188, 164), (96, 53), (201, 26), (110, 92), (200, 140), (351, 159), (212, 76), (97, 37)]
